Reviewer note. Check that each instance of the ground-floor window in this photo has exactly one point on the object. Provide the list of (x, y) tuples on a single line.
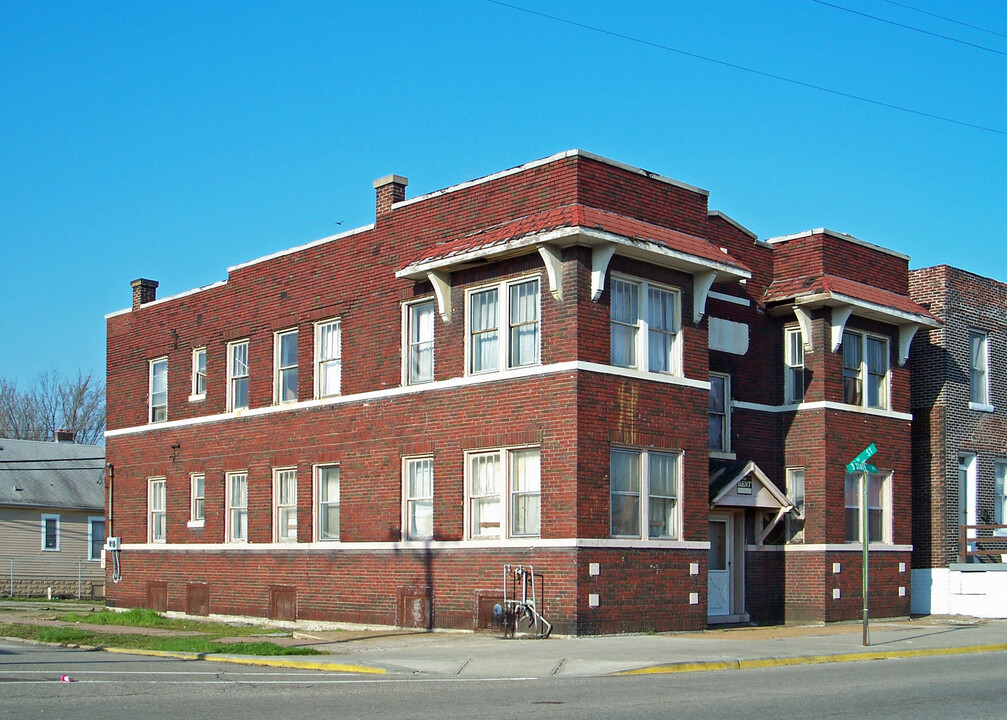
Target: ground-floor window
[(643, 493), (878, 507)]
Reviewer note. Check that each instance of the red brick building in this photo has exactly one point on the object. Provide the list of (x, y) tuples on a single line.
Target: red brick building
[(572, 364)]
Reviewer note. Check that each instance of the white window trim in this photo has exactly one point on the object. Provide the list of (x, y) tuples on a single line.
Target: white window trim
[(643, 326), (316, 502), (726, 439), (231, 377), (1000, 495), (407, 308), (194, 521), (985, 405), (886, 509), (503, 325), (228, 529), (277, 369), (865, 371), (196, 395), (644, 455), (150, 389), (407, 499), (505, 495), (55, 518), (151, 482), (91, 520), (277, 474), (789, 391), (317, 361)]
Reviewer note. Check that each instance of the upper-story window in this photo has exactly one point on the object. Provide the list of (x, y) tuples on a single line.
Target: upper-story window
[(285, 362), (237, 375), (643, 494), (419, 342), (504, 491), (198, 374), (978, 368), (644, 326), (878, 507), (159, 390), (793, 362), (504, 326), (865, 363), (328, 358), (720, 412)]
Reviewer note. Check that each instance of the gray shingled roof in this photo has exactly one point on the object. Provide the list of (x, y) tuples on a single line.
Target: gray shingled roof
[(49, 474)]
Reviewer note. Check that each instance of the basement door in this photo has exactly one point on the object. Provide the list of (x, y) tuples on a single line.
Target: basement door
[(719, 580)]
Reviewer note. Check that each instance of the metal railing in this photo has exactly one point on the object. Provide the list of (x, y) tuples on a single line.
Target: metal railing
[(58, 577), (988, 544)]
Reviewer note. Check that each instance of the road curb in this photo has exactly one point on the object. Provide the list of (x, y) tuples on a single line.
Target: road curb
[(683, 667), (258, 661)]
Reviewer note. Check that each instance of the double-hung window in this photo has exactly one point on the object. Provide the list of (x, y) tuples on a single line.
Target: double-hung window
[(285, 362), (644, 489), (197, 498), (237, 375), (878, 504), (50, 532), (978, 369), (793, 362), (865, 363), (237, 507), (1000, 495), (419, 342), (795, 491), (198, 374), (95, 537), (504, 489), (328, 358), (156, 510), (159, 390), (720, 412), (504, 326), (419, 498), (326, 502), (285, 505), (644, 326)]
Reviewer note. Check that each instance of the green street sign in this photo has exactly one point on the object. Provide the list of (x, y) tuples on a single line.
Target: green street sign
[(861, 466), (865, 454)]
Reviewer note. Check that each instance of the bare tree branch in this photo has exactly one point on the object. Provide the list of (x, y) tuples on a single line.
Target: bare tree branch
[(53, 402)]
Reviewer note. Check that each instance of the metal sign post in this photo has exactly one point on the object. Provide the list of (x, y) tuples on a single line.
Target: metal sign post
[(859, 463)]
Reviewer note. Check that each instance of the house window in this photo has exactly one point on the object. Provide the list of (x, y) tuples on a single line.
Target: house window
[(327, 502), (865, 362), (419, 495), (1000, 495), (504, 334), (644, 326), (95, 537), (198, 373), (504, 493), (419, 342), (328, 358), (720, 412), (50, 532), (285, 362), (978, 367), (878, 502), (237, 507), (795, 491), (159, 390), (237, 375), (155, 510), (285, 505), (644, 489), (197, 497), (793, 361)]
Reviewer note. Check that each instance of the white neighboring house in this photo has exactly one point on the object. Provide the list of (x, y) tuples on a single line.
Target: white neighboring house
[(52, 518)]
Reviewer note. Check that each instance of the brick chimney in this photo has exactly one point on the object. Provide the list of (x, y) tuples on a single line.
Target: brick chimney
[(390, 189), (144, 291), (63, 436)]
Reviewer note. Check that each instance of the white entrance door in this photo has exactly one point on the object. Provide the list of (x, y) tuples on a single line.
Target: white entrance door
[(719, 569)]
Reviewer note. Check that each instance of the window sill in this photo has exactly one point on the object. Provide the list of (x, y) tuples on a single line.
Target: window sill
[(195, 523), (50, 549), (720, 455), (197, 398), (980, 407)]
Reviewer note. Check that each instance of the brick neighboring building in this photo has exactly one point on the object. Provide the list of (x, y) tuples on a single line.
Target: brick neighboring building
[(959, 401), (572, 364)]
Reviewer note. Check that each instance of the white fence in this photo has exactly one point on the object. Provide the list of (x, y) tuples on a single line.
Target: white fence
[(29, 577)]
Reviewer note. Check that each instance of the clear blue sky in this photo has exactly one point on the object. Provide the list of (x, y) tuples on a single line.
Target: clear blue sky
[(172, 140)]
